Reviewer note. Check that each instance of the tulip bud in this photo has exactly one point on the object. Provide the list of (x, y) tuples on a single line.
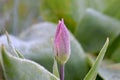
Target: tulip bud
[(62, 43)]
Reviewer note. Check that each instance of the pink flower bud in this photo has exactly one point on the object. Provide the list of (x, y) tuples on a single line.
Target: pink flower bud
[(62, 43)]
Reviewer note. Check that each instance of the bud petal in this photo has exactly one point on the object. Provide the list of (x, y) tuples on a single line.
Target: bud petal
[(62, 43)]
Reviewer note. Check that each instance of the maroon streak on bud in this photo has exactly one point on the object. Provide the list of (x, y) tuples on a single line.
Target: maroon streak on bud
[(62, 43)]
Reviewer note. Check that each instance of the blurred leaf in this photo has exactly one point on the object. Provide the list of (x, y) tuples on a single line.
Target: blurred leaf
[(55, 69), (91, 75), (2, 21), (1, 72), (98, 5), (8, 4), (113, 8), (71, 10), (91, 60), (111, 72), (77, 62), (22, 69), (22, 14), (114, 50), (35, 44), (13, 50), (96, 27), (19, 54)]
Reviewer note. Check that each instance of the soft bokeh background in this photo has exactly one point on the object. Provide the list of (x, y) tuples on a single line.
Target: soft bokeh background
[(89, 21)]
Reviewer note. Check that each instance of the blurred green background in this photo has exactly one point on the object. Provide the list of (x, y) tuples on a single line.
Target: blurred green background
[(89, 21)]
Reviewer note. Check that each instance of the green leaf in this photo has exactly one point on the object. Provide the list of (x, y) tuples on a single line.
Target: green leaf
[(114, 49), (1, 72), (35, 44), (94, 70), (55, 69), (19, 54), (96, 27), (13, 50), (22, 69), (108, 70), (113, 8), (71, 10)]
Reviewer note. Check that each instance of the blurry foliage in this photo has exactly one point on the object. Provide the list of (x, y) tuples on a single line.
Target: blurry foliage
[(71, 10), (39, 48), (90, 21), (92, 74), (16, 68), (97, 29), (20, 14)]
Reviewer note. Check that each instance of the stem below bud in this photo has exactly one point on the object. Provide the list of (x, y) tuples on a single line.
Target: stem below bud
[(62, 66)]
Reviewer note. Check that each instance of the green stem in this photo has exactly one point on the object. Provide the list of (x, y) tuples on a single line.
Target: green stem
[(62, 66)]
